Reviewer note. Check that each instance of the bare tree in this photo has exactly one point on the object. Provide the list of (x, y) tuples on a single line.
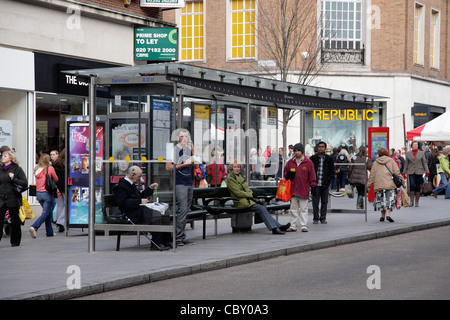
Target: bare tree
[(288, 32)]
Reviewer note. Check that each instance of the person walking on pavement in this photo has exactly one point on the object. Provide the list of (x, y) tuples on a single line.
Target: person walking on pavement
[(184, 165), (415, 166), (444, 172), (300, 170), (324, 168), (357, 174), (59, 164), (46, 199), (342, 170), (11, 175), (239, 189), (384, 186)]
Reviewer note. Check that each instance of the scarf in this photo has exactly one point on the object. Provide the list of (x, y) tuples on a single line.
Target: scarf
[(5, 168), (414, 153)]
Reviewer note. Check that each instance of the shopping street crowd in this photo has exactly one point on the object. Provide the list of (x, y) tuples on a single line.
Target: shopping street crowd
[(310, 178)]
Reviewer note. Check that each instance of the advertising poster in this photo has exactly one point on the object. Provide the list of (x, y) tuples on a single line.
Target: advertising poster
[(201, 131), (125, 146), (78, 174), (161, 127), (233, 135)]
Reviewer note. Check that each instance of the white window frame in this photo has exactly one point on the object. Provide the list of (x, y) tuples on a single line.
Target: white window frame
[(178, 16), (345, 28), (229, 35), (421, 34), (436, 44)]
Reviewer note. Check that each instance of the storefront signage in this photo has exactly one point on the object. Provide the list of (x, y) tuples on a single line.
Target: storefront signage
[(347, 114), (163, 3), (156, 44)]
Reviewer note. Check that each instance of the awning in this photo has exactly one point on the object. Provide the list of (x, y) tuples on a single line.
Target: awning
[(437, 129)]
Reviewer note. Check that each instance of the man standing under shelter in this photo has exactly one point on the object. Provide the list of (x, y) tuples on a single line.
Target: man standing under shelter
[(324, 168), (300, 170), (185, 165)]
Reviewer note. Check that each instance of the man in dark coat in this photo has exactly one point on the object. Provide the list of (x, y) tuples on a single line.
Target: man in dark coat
[(324, 168), (129, 200)]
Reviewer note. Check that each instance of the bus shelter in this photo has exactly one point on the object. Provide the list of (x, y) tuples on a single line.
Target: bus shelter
[(229, 115)]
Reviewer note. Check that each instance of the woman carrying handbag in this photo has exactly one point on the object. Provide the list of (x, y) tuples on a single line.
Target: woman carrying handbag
[(12, 182), (46, 199)]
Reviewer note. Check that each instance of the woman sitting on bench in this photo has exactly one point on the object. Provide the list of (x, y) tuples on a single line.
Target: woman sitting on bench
[(238, 188)]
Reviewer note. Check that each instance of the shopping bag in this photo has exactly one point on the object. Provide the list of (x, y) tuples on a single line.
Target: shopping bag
[(284, 191), (349, 190), (22, 215), (399, 200), (203, 184), (405, 198), (27, 209)]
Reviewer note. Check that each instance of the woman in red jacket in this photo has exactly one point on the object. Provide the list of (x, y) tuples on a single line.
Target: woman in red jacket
[(46, 199), (300, 170)]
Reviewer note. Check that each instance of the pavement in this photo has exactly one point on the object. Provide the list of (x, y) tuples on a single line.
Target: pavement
[(51, 268)]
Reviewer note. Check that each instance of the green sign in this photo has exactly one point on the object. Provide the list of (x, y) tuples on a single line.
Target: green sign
[(156, 44)]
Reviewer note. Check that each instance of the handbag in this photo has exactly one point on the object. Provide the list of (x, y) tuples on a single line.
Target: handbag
[(18, 188), (349, 191), (397, 181), (405, 198), (284, 191), (50, 185), (427, 188)]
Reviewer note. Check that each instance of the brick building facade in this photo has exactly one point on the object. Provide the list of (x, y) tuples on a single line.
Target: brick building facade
[(397, 49)]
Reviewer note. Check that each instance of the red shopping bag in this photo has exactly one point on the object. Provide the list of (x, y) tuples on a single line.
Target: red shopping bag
[(399, 199), (284, 191)]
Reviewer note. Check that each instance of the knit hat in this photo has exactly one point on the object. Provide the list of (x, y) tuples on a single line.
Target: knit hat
[(299, 147)]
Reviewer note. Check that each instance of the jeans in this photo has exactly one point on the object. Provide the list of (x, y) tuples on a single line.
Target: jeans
[(48, 203), (184, 195), (443, 185), (415, 180), (265, 216), (319, 194)]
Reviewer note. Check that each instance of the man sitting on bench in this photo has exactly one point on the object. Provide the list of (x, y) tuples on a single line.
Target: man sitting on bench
[(238, 188), (129, 200)]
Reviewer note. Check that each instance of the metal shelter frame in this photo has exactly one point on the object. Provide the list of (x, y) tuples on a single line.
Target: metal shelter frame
[(180, 80)]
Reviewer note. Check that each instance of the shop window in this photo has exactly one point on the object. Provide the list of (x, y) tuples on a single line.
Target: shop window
[(51, 112), (13, 123)]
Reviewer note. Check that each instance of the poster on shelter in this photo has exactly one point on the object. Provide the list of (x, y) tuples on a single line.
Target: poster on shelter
[(78, 173)]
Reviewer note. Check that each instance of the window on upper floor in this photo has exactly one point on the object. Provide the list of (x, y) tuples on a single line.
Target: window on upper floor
[(419, 33), (342, 24), (192, 31), (243, 29), (435, 39)]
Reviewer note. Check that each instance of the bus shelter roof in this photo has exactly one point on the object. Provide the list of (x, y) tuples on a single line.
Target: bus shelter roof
[(206, 83)]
